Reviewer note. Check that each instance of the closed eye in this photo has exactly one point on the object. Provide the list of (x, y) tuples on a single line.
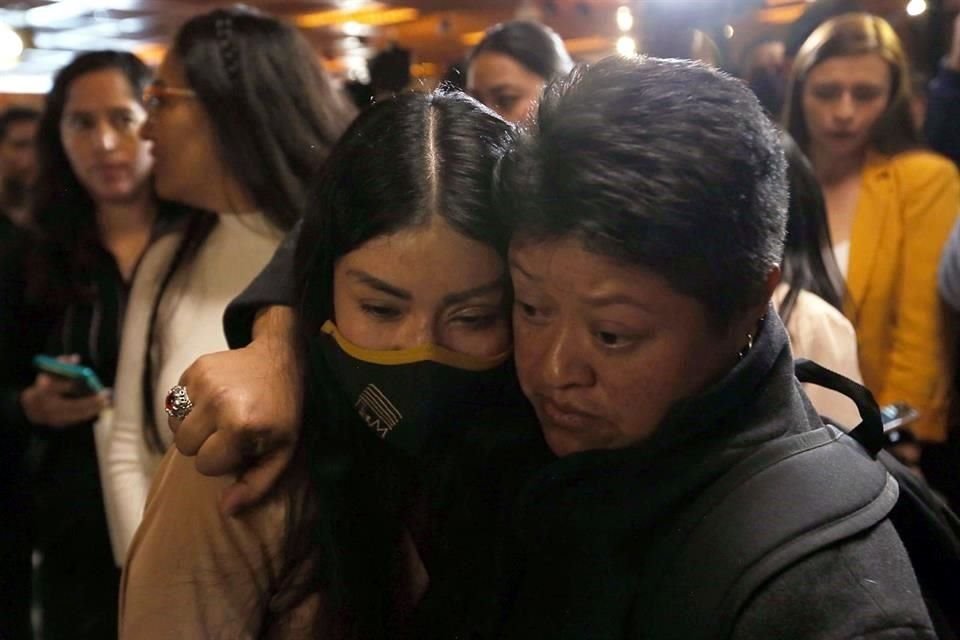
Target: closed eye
[(615, 341), (381, 312), (476, 321)]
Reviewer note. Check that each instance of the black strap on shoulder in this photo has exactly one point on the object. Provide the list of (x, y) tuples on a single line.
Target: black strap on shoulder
[(788, 499), (930, 531), (869, 433)]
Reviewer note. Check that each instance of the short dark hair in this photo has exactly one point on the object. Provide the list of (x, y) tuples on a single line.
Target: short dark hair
[(16, 114), (665, 164), (533, 45), (390, 70)]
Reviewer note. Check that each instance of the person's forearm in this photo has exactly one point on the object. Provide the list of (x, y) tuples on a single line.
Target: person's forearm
[(276, 322), (276, 328), (251, 399)]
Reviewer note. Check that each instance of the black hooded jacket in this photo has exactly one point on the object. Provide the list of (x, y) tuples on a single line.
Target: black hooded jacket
[(571, 539)]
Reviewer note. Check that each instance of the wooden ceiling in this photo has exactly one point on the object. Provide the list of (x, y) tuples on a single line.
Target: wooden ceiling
[(438, 32)]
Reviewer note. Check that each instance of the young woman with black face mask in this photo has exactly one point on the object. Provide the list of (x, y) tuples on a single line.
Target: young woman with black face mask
[(402, 297)]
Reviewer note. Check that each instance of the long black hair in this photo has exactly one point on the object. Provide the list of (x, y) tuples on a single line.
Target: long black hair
[(808, 260), (275, 115), (403, 162), (63, 211), (274, 111), (533, 45)]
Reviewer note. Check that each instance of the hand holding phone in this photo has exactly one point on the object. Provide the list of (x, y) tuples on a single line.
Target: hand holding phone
[(897, 415), (84, 378), (63, 394)]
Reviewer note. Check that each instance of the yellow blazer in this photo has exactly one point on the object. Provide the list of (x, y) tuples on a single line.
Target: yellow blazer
[(905, 210)]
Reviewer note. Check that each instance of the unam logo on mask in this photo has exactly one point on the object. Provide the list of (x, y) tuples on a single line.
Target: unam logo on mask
[(377, 410)]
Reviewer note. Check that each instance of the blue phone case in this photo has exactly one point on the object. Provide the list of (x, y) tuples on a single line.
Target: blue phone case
[(76, 372)]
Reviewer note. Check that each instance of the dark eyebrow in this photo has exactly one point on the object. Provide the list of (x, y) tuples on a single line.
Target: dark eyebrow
[(615, 299), (378, 284), (603, 300), (462, 296)]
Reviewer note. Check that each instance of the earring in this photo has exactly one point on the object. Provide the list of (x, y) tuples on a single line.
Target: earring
[(743, 352)]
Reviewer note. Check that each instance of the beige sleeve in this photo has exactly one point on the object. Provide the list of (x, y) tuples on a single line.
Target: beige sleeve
[(192, 572)]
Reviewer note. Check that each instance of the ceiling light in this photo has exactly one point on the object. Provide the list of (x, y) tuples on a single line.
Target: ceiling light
[(626, 46), (355, 29), (916, 7), (25, 83), (373, 14), (624, 18), (56, 12), (11, 46)]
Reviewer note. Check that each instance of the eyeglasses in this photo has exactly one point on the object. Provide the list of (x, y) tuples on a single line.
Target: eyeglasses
[(155, 95)]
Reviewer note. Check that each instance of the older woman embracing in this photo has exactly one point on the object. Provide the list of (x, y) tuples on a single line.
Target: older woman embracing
[(649, 206)]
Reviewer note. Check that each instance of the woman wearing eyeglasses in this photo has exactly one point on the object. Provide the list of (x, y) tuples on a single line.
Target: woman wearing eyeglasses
[(95, 214), (240, 118)]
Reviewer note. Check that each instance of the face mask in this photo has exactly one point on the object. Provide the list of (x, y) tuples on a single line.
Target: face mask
[(405, 396)]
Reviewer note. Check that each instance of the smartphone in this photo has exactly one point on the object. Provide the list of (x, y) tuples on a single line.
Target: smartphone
[(897, 415), (85, 378)]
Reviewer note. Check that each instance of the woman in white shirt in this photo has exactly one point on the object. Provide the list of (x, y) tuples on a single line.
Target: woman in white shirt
[(240, 117), (810, 296)]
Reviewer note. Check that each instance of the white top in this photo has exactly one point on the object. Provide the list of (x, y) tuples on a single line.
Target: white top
[(841, 252), (819, 332), (189, 324)]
